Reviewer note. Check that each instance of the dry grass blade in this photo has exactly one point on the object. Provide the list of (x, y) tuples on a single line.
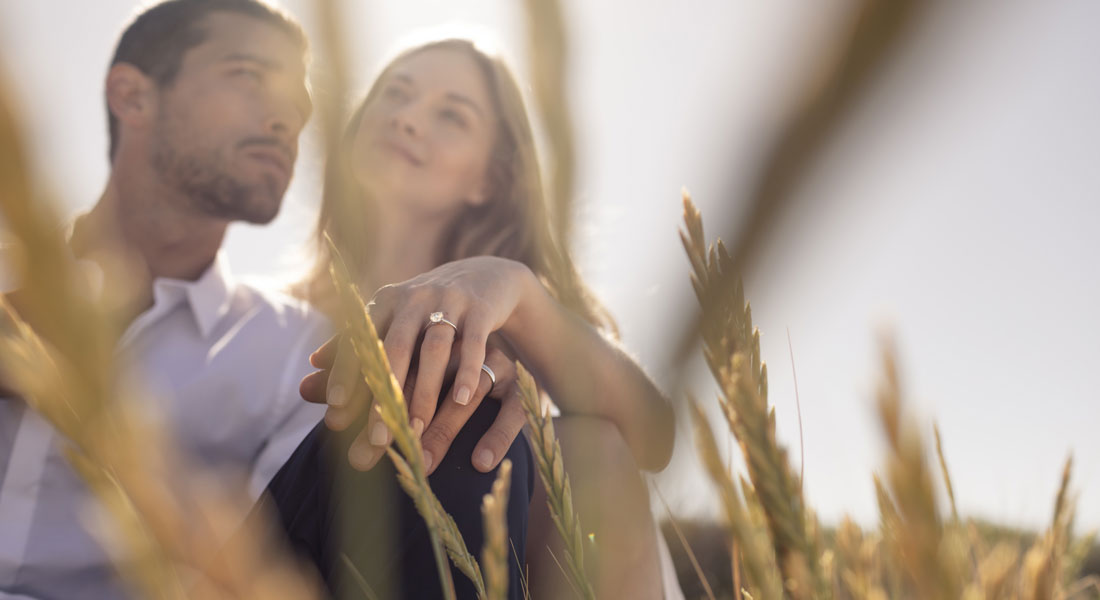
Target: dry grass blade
[(691, 553), (946, 474), (389, 402), (559, 494), (494, 516)]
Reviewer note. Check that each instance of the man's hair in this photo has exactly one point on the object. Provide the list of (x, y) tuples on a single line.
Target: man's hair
[(157, 39)]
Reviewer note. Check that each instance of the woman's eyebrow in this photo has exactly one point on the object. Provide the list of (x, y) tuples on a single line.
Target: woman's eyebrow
[(459, 98)]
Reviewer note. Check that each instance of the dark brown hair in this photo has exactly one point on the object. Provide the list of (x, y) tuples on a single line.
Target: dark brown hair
[(157, 39)]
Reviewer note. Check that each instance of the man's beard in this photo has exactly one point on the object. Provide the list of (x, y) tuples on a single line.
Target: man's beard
[(213, 191)]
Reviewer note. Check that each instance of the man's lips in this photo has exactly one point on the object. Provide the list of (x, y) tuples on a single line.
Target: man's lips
[(272, 158)]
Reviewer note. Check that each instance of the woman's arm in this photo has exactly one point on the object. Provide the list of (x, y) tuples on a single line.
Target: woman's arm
[(584, 372), (587, 373)]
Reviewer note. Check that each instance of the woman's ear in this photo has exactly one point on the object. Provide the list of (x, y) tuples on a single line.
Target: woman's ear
[(131, 96), (484, 190)]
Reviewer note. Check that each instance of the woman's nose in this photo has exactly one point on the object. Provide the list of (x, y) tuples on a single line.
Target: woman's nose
[(407, 120)]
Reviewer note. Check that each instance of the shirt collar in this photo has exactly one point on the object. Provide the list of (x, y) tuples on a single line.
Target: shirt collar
[(209, 296)]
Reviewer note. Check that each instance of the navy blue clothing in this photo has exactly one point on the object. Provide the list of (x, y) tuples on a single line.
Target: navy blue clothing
[(353, 525)]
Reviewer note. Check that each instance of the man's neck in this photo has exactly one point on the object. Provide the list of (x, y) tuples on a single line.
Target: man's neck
[(147, 224)]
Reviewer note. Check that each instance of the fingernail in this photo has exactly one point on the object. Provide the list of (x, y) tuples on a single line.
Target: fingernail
[(428, 461), (418, 426), (483, 459), (379, 435), (463, 396), (361, 456), (337, 396)]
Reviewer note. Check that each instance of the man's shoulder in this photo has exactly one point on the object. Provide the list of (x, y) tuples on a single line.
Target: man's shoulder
[(257, 298)]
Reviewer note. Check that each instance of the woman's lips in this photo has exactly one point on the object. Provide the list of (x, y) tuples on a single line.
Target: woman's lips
[(402, 151)]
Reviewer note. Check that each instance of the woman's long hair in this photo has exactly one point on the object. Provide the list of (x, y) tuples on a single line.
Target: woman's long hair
[(512, 222)]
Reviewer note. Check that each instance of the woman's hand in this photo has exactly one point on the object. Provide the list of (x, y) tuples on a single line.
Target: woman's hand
[(478, 295)]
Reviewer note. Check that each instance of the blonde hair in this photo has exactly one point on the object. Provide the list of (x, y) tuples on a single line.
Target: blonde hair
[(512, 222)]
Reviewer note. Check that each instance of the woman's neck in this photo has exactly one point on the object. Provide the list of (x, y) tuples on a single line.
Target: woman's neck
[(408, 245)]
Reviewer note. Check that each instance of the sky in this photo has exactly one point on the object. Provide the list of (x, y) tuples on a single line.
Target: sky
[(956, 208)]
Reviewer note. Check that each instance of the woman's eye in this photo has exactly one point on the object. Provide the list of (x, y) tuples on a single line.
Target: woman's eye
[(395, 93), (454, 117)]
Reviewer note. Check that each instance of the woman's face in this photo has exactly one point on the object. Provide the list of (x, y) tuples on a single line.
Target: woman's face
[(424, 141)]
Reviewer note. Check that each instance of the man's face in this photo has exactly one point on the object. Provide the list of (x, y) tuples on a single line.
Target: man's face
[(227, 127)]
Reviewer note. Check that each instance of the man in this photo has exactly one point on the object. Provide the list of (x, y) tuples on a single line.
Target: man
[(206, 100)]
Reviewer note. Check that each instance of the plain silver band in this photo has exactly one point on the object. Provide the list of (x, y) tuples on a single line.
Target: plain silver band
[(492, 377)]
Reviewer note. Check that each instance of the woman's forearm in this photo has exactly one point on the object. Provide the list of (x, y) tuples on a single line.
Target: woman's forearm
[(586, 373)]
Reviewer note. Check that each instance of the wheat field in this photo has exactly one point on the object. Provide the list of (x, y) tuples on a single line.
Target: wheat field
[(55, 352)]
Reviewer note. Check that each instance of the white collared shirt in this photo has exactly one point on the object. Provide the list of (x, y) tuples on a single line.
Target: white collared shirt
[(222, 361)]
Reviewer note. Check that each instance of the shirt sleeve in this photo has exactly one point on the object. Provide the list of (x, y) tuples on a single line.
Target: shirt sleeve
[(293, 416)]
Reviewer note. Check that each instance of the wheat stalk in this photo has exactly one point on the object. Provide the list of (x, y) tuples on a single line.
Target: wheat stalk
[(927, 555), (757, 555), (494, 515), (732, 351), (389, 403), (548, 48), (559, 494)]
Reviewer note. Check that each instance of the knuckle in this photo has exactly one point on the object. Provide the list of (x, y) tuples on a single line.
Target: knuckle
[(436, 342), (474, 338), (398, 348), (498, 439), (439, 434), (452, 294)]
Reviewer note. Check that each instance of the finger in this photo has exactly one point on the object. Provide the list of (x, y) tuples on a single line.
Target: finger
[(400, 340), (504, 371), (343, 375), (339, 418), (475, 332), (446, 424), (370, 444), (495, 443), (314, 387), (435, 353), (322, 357)]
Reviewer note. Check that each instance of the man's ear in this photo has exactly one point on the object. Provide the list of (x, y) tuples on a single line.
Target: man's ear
[(131, 95)]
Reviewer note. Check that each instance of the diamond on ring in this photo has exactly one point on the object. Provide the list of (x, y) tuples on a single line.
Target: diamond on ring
[(437, 317)]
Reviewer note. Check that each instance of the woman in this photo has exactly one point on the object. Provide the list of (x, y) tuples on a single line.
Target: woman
[(437, 186)]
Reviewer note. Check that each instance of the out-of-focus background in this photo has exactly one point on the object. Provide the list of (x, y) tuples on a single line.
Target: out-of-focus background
[(956, 205)]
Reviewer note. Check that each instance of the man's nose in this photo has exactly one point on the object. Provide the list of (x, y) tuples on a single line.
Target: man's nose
[(284, 120)]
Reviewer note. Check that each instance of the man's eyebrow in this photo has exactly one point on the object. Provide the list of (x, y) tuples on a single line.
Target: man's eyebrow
[(252, 58)]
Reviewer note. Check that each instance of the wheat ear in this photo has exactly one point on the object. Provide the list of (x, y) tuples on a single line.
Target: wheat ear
[(389, 402), (559, 494)]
